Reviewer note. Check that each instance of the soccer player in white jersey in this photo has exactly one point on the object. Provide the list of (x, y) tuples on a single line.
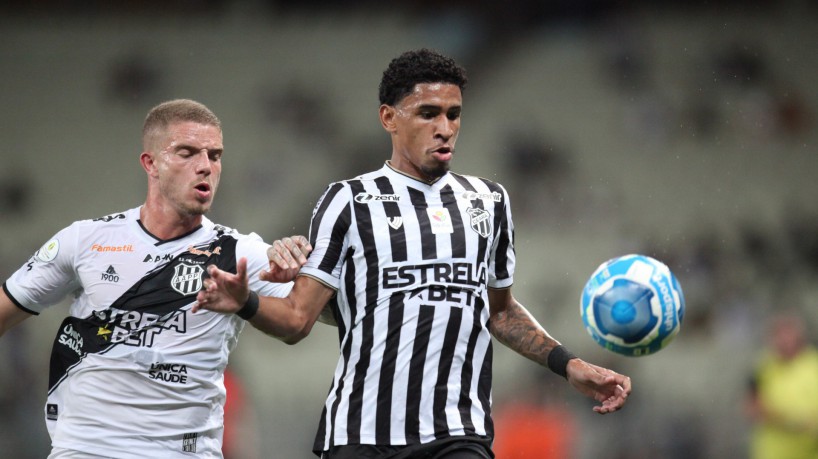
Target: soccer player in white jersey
[(420, 262), (134, 373)]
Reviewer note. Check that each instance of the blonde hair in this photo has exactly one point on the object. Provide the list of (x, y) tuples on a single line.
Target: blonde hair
[(174, 111)]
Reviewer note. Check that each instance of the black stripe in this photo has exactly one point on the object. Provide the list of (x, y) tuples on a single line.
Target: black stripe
[(466, 375), (320, 435), (318, 215), (426, 317), (428, 239), (458, 235), (482, 242), (484, 390), (349, 280), (444, 368), (336, 242), (383, 417), (397, 237), (363, 222)]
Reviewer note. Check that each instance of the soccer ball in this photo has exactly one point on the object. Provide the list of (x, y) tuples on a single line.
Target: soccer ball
[(632, 305)]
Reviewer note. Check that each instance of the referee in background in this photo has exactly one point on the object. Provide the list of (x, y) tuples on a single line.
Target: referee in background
[(416, 263)]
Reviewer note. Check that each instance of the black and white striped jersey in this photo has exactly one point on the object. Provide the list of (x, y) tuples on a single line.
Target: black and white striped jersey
[(133, 372), (411, 262)]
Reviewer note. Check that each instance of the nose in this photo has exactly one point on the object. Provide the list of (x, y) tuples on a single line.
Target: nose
[(446, 128), (203, 165)]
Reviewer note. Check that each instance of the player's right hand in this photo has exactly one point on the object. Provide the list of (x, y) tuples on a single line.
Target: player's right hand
[(286, 257), (223, 291)]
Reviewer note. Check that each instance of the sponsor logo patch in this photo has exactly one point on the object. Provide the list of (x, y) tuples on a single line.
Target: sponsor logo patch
[(472, 195), (157, 258), (112, 248), (108, 218), (440, 220), (366, 198), (189, 442)]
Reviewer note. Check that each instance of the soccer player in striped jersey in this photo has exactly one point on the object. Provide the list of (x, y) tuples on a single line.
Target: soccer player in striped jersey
[(418, 264)]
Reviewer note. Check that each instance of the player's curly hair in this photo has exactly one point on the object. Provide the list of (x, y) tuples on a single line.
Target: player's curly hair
[(418, 66)]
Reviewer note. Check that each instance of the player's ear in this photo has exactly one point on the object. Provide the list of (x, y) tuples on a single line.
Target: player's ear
[(387, 114), (146, 159)]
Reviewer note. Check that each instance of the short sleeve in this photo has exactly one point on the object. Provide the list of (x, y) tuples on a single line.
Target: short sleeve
[(255, 250), (48, 276), (328, 235), (503, 257)]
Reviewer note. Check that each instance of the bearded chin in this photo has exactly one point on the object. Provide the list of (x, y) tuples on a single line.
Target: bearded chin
[(439, 170)]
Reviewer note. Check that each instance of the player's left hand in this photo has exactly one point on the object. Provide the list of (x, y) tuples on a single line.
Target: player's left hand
[(286, 257), (607, 387), (223, 291)]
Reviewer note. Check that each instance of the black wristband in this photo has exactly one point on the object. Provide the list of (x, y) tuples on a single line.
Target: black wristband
[(558, 360), (250, 307)]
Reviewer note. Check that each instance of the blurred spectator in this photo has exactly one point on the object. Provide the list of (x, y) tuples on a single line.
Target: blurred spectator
[(241, 439), (133, 78), (540, 174), (536, 424), (783, 397)]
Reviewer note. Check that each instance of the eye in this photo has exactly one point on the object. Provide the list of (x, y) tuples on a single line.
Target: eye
[(215, 155), (453, 115)]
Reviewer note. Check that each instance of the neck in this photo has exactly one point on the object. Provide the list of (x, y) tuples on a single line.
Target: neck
[(167, 223)]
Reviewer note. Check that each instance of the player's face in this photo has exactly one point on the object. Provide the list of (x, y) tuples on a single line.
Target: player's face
[(424, 127), (188, 166)]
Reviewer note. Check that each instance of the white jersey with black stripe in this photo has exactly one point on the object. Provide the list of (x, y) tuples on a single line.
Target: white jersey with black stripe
[(133, 372), (412, 263)]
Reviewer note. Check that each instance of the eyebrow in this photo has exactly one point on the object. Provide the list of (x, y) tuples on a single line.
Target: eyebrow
[(185, 146), (438, 107)]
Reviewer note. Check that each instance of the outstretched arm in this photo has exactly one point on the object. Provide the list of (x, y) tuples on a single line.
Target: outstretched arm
[(10, 314), (517, 329), (289, 319)]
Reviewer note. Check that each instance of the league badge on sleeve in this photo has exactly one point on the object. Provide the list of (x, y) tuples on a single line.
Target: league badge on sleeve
[(48, 252)]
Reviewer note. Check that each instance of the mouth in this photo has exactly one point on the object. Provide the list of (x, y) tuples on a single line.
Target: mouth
[(443, 153), (203, 190)]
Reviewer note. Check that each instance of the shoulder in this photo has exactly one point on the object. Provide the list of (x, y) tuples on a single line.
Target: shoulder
[(475, 187), (475, 180), (93, 226), (220, 230), (108, 221)]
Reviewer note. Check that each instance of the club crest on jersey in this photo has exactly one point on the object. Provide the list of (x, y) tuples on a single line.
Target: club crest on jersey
[(480, 221), (187, 279)]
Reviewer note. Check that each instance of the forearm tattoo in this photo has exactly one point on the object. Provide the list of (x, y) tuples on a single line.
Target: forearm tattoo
[(519, 331)]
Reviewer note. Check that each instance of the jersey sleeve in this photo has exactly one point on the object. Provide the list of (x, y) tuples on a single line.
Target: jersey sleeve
[(255, 250), (503, 258), (48, 276), (328, 235)]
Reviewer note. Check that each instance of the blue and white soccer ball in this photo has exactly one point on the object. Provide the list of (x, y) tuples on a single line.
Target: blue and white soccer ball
[(632, 305)]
